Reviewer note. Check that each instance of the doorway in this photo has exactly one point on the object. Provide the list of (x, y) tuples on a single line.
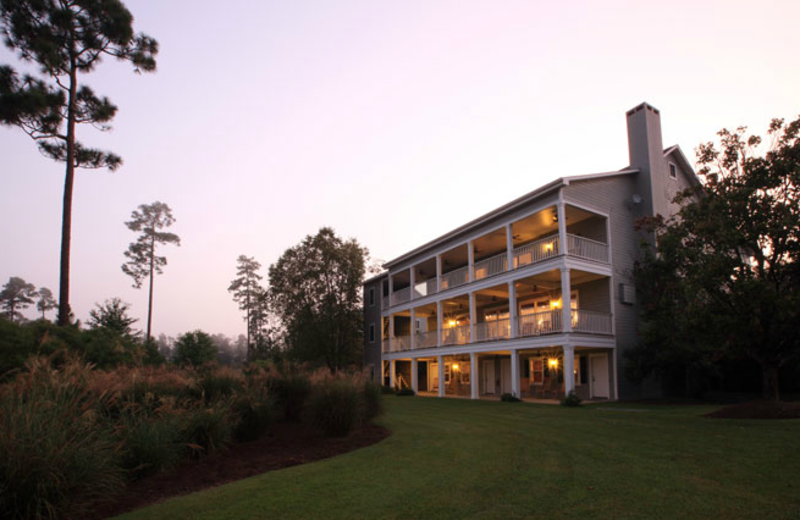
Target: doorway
[(599, 376)]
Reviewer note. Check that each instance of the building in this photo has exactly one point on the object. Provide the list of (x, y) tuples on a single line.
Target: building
[(535, 298)]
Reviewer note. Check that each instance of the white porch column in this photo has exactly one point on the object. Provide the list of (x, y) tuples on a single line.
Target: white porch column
[(512, 310), (414, 375), (440, 360), (472, 314), (473, 375), (413, 329), (562, 227), (391, 332), (566, 310), (392, 374), (471, 261), (439, 323), (569, 368), (412, 277), (515, 385), (509, 248), (438, 273)]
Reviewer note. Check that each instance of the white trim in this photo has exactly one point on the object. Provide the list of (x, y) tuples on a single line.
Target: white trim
[(591, 176), (673, 170)]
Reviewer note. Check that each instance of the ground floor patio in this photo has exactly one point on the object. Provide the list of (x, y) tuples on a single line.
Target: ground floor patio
[(544, 374)]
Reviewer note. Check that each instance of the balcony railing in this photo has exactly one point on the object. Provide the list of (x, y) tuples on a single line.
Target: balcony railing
[(527, 254), (587, 248), (591, 322), (492, 330), (540, 323), (385, 344), (455, 278), (537, 251), (401, 296), (427, 339), (425, 288), (400, 343), (491, 266), (456, 335)]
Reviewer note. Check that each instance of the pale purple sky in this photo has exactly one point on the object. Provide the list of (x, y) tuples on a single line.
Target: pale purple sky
[(393, 122)]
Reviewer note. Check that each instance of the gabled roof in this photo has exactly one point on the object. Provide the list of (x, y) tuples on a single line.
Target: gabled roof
[(676, 152)]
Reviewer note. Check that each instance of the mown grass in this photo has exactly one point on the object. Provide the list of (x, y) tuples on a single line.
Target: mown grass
[(455, 458)]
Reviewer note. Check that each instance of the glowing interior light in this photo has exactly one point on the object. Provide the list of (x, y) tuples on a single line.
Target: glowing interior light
[(452, 323), (548, 246), (553, 362), (455, 366), (555, 304)]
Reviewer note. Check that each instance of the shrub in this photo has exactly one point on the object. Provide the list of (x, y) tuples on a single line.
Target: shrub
[(207, 429), (405, 392), (220, 383), (292, 389), (571, 399), (254, 410), (337, 406), (149, 444), (373, 400), (386, 390), (510, 398), (56, 454)]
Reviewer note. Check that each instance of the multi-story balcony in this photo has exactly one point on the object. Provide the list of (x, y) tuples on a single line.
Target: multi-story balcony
[(529, 241), (538, 324)]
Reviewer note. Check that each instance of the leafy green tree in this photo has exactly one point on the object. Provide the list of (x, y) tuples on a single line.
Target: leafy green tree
[(194, 348), (113, 316), (315, 290), (46, 301), (16, 295), (724, 281), (66, 38), (248, 293), (143, 262)]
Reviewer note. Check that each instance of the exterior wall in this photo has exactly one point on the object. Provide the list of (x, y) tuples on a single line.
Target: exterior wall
[(372, 316), (673, 186), (593, 296), (614, 196)]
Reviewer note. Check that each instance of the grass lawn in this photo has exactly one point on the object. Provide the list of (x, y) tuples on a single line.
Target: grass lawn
[(453, 458)]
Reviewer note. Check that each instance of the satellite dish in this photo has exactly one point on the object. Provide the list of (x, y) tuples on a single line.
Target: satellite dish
[(637, 199)]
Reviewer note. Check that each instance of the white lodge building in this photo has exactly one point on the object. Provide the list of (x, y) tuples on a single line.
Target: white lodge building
[(535, 298)]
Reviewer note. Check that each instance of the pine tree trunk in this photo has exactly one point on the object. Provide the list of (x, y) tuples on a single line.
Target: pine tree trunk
[(66, 217), (150, 301)]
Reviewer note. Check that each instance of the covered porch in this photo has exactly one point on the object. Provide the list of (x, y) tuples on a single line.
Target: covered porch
[(545, 374)]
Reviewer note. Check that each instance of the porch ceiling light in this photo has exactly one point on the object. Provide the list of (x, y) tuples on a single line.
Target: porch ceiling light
[(553, 363), (455, 366)]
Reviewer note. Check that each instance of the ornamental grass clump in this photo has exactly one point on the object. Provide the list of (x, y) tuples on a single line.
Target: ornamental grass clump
[(337, 405), (206, 430), (149, 442), (291, 388), (57, 453), (373, 400), (253, 407)]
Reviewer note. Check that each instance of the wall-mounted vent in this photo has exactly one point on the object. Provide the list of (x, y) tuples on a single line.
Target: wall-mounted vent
[(627, 293)]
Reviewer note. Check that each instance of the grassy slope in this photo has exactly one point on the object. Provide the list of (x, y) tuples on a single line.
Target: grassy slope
[(455, 458)]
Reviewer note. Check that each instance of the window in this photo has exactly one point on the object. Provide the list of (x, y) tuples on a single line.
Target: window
[(673, 171), (537, 371), (372, 333), (372, 297)]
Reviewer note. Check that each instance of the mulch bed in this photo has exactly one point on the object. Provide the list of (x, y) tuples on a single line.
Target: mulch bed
[(288, 444), (758, 410)]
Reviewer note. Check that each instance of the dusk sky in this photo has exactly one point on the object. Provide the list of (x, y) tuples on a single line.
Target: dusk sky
[(392, 122)]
